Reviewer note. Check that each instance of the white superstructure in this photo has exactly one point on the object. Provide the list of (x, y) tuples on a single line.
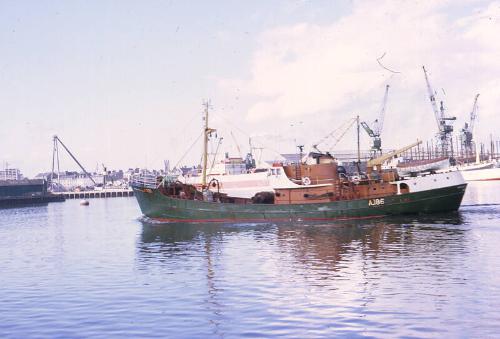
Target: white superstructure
[(427, 182), (244, 185)]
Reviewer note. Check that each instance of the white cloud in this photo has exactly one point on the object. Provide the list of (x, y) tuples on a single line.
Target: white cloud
[(325, 73)]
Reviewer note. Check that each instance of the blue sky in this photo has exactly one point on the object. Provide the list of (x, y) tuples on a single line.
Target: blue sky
[(121, 82)]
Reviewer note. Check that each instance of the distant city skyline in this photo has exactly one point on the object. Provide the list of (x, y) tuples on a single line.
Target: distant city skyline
[(122, 82)]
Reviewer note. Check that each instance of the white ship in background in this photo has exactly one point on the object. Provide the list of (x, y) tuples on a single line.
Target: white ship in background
[(484, 174), (480, 171)]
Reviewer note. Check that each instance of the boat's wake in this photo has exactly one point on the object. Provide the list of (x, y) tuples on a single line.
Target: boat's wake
[(147, 220), (479, 205), (150, 221)]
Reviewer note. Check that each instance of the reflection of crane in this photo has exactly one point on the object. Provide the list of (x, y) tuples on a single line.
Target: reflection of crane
[(467, 131), (445, 130), (55, 156), (376, 129)]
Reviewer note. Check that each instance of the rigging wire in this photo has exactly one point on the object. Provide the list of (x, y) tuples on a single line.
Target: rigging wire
[(189, 149), (342, 129), (182, 158), (182, 131), (215, 154), (245, 133)]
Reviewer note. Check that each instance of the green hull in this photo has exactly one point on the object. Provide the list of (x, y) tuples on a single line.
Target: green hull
[(157, 206)]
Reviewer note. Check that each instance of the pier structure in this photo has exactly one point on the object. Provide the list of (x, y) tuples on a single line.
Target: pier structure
[(107, 193)]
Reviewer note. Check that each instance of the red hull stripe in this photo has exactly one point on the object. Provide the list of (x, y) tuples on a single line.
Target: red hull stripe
[(265, 219)]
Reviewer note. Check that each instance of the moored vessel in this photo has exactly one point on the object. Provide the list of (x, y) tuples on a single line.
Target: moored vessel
[(482, 174), (26, 192)]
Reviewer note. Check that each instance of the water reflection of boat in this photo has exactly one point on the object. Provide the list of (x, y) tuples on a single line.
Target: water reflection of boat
[(172, 233), (319, 240), (449, 218), (324, 244), (275, 272), (159, 242)]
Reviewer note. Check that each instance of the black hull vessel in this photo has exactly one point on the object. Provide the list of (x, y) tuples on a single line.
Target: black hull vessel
[(26, 192)]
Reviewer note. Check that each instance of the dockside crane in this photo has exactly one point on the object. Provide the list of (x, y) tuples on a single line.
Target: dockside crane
[(445, 129), (468, 130), (55, 160), (375, 130)]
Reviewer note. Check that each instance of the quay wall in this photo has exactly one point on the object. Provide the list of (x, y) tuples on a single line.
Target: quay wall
[(97, 194)]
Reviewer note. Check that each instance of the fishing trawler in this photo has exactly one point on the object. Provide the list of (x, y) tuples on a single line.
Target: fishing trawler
[(327, 194)]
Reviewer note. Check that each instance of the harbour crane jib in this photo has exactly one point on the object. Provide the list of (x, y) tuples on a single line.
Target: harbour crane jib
[(468, 130), (445, 127), (375, 130)]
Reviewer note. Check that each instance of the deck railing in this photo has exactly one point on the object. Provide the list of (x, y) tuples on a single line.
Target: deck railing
[(145, 180)]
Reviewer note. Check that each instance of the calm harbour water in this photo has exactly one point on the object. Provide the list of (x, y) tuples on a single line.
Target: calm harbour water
[(69, 271)]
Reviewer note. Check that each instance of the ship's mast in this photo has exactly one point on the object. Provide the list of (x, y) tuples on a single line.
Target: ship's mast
[(359, 150), (206, 133)]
